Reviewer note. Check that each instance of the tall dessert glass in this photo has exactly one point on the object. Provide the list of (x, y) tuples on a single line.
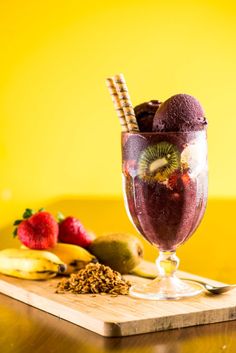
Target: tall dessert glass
[(165, 184)]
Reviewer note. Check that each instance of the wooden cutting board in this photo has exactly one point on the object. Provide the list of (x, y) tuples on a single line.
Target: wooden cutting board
[(122, 315)]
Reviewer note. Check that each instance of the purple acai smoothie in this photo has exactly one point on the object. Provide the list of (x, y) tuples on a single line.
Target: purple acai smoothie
[(165, 183)]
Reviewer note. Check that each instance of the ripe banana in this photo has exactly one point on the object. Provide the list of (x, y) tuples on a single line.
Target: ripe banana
[(145, 269), (30, 264), (74, 256)]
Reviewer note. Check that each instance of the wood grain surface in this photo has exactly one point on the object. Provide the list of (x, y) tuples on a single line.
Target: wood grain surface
[(122, 315)]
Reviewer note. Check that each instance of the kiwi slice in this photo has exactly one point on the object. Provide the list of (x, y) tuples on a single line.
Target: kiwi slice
[(158, 162)]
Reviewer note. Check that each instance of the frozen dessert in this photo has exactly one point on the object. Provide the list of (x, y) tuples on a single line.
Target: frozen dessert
[(165, 181), (180, 112), (145, 113), (165, 170)]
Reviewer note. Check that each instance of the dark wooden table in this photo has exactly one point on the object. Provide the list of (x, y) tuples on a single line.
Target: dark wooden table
[(24, 329)]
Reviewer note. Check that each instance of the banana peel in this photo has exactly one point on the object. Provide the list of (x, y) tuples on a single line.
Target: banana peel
[(145, 269), (74, 256), (30, 264)]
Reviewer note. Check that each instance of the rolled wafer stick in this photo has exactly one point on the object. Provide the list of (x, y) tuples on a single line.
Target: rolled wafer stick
[(125, 102), (117, 104)]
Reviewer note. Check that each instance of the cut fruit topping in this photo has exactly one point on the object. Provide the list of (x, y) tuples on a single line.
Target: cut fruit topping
[(158, 162)]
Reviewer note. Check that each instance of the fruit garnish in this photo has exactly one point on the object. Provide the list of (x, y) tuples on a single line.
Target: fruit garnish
[(172, 181), (185, 178), (157, 162), (37, 230), (72, 231)]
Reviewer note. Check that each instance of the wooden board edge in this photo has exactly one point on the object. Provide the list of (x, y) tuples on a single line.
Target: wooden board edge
[(181, 321)]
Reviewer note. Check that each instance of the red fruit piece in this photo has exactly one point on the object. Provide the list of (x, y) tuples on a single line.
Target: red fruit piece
[(173, 180), (39, 231), (185, 178), (71, 231)]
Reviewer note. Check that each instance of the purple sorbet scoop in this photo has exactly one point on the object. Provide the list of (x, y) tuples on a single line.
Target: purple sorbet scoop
[(180, 112), (145, 113)]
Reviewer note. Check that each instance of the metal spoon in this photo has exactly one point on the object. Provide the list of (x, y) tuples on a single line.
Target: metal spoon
[(214, 289)]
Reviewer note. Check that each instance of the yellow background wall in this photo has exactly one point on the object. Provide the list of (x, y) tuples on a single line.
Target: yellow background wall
[(59, 134)]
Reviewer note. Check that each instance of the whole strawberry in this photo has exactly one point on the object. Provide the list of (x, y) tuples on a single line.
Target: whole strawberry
[(71, 231), (38, 230)]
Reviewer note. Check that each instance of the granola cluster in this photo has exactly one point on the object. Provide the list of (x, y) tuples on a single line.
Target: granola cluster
[(95, 279)]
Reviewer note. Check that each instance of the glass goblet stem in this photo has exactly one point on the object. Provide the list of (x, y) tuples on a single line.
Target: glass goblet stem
[(167, 263)]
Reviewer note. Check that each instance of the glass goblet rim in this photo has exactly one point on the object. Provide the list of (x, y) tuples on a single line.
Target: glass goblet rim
[(156, 133)]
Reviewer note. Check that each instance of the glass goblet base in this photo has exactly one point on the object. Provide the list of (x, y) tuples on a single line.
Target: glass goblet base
[(170, 288), (167, 285)]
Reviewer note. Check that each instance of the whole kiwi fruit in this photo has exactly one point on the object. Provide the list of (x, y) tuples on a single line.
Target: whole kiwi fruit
[(122, 252)]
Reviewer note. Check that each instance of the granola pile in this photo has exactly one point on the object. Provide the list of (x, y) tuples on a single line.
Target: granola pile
[(95, 279)]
